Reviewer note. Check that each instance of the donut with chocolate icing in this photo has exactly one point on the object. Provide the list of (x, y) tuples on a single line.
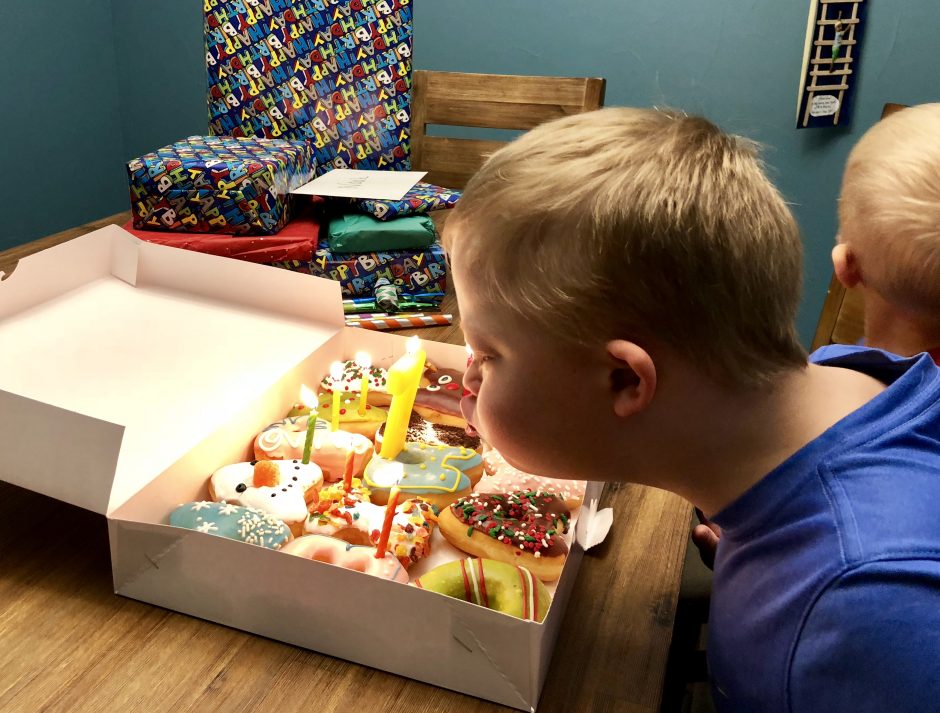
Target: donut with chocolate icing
[(491, 584), (420, 430), (523, 528), (439, 401)]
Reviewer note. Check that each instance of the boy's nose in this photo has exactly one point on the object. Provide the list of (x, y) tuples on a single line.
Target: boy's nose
[(471, 380)]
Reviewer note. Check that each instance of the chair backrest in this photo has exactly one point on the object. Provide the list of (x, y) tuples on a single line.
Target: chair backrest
[(490, 101), (842, 320)]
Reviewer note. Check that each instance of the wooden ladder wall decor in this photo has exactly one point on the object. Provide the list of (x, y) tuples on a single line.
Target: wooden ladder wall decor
[(825, 67)]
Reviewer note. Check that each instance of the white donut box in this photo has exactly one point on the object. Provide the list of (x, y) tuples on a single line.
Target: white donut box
[(155, 366)]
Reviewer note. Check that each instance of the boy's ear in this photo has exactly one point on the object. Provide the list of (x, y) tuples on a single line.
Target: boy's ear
[(633, 379), (845, 265)]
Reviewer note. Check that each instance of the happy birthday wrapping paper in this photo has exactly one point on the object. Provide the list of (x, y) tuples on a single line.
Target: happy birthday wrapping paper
[(218, 184), (334, 72)]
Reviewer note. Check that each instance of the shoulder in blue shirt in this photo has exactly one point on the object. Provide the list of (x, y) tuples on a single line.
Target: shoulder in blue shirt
[(827, 578)]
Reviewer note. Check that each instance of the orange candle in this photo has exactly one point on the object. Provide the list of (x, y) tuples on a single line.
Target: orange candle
[(382, 544), (348, 474)]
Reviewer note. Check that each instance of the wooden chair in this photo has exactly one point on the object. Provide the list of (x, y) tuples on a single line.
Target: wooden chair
[(490, 101), (842, 320)]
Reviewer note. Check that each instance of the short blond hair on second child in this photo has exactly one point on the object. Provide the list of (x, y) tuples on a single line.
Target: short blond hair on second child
[(640, 224), (889, 210)]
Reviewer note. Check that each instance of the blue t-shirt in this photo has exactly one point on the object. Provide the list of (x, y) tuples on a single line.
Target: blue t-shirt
[(826, 593)]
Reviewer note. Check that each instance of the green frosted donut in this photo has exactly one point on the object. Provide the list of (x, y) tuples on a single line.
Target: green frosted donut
[(495, 585)]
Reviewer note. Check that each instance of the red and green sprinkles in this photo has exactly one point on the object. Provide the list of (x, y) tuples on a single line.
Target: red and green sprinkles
[(528, 520)]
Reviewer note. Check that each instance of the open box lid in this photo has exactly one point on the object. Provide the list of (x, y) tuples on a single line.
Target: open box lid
[(117, 356)]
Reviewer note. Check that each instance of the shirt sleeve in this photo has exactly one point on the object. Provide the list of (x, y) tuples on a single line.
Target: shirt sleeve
[(871, 642)]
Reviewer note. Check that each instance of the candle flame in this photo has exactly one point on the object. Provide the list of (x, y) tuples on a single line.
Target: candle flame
[(363, 360), (307, 396), (414, 344), (336, 370)]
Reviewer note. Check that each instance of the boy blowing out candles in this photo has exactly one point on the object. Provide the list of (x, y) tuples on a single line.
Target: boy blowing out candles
[(628, 280)]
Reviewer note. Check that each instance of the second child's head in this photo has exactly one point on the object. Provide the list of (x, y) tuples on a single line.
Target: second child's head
[(599, 255), (889, 213)]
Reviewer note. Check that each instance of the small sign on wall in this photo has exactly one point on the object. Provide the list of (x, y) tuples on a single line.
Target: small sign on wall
[(830, 62)]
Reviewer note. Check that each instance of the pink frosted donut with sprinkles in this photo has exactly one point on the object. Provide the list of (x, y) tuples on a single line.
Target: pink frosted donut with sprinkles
[(503, 478), (284, 440)]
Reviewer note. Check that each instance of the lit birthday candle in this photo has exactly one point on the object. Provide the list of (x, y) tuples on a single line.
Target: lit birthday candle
[(404, 377), (308, 399), (365, 363), (336, 374), (382, 545)]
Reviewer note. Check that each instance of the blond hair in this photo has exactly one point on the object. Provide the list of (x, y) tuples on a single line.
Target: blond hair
[(640, 224), (889, 210)]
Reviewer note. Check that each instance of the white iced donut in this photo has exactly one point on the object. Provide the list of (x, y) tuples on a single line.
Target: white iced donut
[(280, 488)]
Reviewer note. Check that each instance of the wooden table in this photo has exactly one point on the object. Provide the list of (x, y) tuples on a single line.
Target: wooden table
[(68, 643)]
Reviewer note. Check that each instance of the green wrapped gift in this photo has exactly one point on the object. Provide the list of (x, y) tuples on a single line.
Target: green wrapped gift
[(358, 233)]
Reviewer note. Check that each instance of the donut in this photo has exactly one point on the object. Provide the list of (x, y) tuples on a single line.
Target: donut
[(280, 488), (439, 474), (235, 522), (439, 401), (521, 528), (503, 478), (352, 518), (356, 557), (351, 382), (350, 419), (420, 430), (284, 440), (495, 585)]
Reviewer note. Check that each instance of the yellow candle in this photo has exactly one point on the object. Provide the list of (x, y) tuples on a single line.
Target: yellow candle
[(365, 363), (404, 377), (336, 373)]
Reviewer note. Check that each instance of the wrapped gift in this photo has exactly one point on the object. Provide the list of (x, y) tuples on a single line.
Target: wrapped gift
[(421, 199), (297, 241), (219, 184), (414, 271), (360, 233), (336, 73)]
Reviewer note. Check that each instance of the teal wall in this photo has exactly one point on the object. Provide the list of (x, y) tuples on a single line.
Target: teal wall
[(101, 81), (60, 148), (736, 63)]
